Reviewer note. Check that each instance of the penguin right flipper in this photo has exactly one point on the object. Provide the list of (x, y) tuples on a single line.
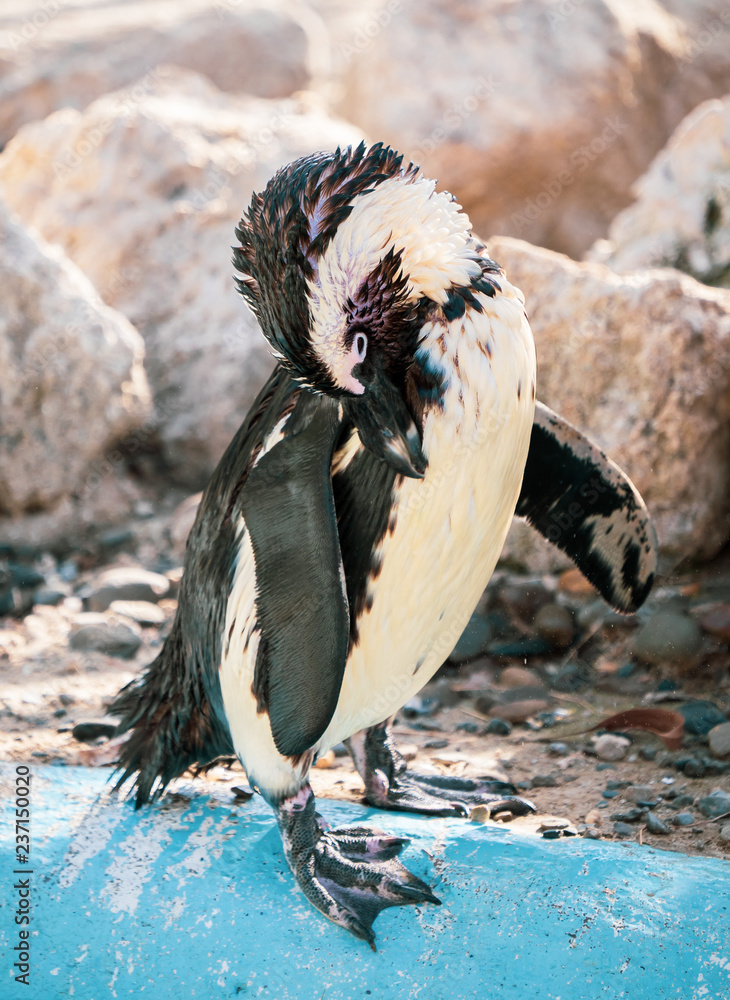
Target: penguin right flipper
[(301, 600), (581, 501)]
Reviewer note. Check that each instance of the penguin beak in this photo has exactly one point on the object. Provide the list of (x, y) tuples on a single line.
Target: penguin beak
[(386, 427)]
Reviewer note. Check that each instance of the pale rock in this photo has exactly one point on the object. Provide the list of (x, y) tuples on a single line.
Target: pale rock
[(72, 386), (681, 216), (512, 677), (537, 115), (126, 583), (610, 747), (81, 51), (719, 738), (177, 169), (641, 364)]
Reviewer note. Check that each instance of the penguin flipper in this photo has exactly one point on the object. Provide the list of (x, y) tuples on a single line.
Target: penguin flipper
[(581, 501), (301, 601)]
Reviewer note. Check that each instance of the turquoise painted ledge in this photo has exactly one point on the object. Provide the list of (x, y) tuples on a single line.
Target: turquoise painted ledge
[(192, 898)]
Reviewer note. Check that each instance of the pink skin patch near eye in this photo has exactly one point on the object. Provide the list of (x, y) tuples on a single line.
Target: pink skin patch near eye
[(355, 355)]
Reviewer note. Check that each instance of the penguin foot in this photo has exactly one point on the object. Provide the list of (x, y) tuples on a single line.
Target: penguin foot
[(389, 785), (349, 874)]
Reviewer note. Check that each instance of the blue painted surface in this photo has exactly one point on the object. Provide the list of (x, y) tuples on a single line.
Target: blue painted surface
[(192, 899)]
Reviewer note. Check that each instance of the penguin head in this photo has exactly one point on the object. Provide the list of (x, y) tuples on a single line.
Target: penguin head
[(343, 256)]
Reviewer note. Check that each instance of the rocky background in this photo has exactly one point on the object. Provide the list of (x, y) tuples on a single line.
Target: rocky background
[(589, 140)]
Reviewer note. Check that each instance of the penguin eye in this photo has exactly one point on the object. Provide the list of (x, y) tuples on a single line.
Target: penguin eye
[(361, 346)]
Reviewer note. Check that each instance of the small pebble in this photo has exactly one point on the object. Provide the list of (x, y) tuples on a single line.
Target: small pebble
[(499, 727), (467, 727), (559, 749), (725, 833), (609, 793), (656, 825), (694, 768), (680, 801), (604, 766), (617, 785), (602, 805), (623, 830), (554, 623), (668, 637), (109, 638), (436, 744), (719, 738), (610, 747), (683, 819), (630, 816), (524, 598), (512, 677), (648, 753), (518, 711), (639, 793), (701, 716), (544, 781), (86, 732), (715, 804), (591, 833), (126, 583)]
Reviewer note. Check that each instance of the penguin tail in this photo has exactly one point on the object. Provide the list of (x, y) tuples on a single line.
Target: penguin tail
[(170, 722)]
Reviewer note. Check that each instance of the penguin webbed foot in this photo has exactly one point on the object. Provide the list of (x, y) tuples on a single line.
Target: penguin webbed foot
[(389, 784), (349, 874)]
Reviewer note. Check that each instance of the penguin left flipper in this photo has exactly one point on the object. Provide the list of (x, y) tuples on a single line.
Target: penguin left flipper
[(389, 785), (581, 501), (348, 874)]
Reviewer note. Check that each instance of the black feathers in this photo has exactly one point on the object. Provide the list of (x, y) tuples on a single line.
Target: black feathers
[(583, 503), (175, 711), (287, 229)]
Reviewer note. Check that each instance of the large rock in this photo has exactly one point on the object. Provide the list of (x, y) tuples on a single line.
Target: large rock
[(72, 381), (145, 199), (61, 53), (537, 114), (641, 363), (681, 216)]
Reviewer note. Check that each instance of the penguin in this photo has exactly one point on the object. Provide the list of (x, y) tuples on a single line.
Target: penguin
[(351, 526)]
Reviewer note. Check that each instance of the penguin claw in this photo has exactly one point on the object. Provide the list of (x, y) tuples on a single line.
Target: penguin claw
[(350, 874), (389, 784)]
